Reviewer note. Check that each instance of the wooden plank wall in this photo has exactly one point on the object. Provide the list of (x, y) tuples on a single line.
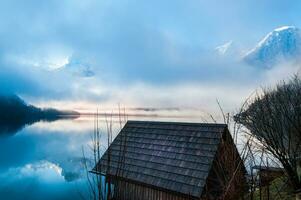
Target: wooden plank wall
[(124, 190)]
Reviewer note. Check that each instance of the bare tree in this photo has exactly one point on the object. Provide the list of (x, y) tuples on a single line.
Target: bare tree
[(254, 157), (232, 174), (100, 185), (274, 119), (95, 182)]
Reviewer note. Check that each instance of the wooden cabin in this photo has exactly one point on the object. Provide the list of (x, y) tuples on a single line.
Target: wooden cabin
[(173, 161)]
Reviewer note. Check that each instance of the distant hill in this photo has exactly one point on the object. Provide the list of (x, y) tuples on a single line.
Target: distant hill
[(15, 113)]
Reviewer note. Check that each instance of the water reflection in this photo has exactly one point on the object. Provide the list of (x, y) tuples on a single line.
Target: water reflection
[(45, 160), (9, 129)]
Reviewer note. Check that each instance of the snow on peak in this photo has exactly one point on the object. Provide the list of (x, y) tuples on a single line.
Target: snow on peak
[(285, 28), (282, 43), (222, 49)]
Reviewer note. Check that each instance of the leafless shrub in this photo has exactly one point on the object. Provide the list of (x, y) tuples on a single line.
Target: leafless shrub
[(253, 156), (99, 185), (274, 119)]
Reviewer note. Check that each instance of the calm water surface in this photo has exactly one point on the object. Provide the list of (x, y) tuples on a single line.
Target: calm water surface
[(45, 160)]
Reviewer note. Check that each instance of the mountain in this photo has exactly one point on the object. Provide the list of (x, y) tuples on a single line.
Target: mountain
[(16, 113), (77, 67), (224, 48), (282, 44)]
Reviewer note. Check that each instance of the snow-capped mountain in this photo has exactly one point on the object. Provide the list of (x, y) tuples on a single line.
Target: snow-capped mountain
[(282, 44), (228, 51), (77, 67), (222, 49)]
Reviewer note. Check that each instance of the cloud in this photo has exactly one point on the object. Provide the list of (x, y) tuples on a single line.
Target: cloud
[(103, 51), (44, 171), (48, 57), (45, 177)]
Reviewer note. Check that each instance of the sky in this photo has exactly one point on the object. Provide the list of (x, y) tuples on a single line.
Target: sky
[(85, 54)]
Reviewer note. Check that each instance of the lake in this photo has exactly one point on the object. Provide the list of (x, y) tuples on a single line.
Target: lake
[(45, 160)]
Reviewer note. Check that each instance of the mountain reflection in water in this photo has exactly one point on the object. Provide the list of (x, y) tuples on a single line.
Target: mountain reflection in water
[(43, 160)]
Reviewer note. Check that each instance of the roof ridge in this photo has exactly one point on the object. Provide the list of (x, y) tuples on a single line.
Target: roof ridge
[(179, 123)]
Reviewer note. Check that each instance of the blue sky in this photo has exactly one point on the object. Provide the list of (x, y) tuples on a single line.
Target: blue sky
[(140, 53)]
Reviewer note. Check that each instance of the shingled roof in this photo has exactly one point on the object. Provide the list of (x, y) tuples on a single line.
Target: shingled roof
[(169, 155)]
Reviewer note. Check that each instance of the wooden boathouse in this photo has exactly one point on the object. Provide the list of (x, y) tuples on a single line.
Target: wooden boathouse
[(173, 161)]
